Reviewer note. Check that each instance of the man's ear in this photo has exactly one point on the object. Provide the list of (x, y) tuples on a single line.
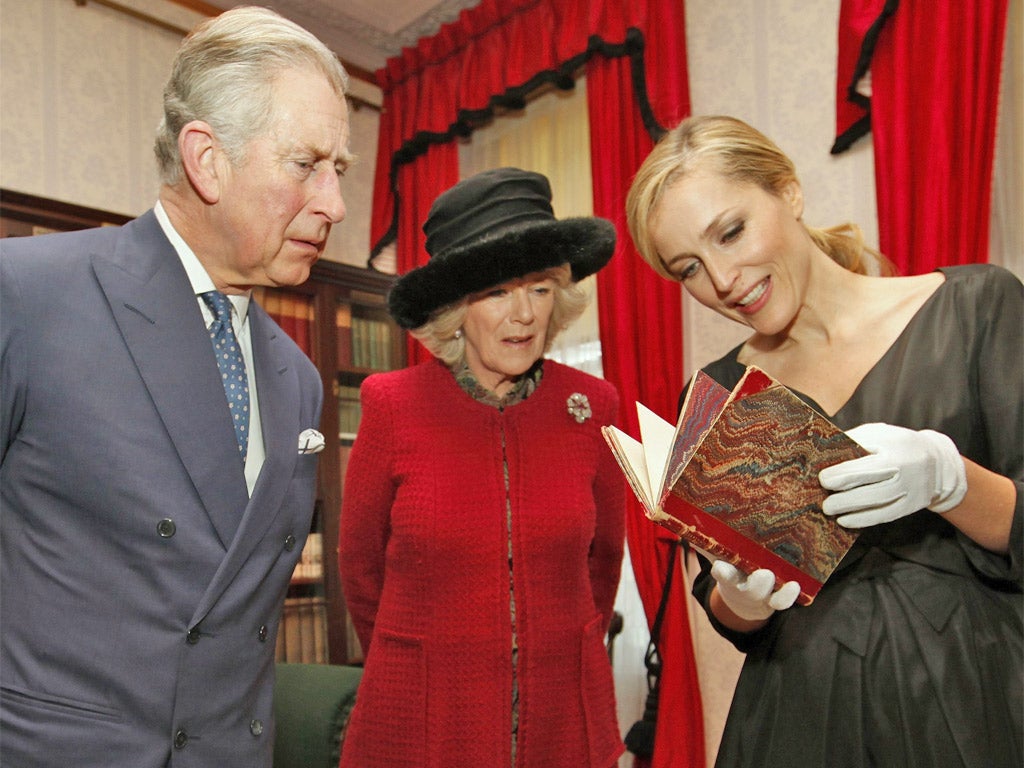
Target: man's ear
[(793, 194), (199, 154)]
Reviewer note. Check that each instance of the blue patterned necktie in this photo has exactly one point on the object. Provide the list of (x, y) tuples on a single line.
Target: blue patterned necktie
[(231, 365)]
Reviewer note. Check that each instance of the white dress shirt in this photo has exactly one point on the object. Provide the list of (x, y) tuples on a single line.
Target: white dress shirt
[(201, 283)]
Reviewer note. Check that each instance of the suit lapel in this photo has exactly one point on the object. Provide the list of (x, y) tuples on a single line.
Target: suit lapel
[(156, 310), (279, 398), (153, 304)]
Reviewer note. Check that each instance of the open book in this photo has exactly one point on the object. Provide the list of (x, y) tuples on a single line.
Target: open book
[(737, 477)]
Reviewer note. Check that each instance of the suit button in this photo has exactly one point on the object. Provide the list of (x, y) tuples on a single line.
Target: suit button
[(180, 739), (263, 633), (256, 727), (166, 528), (289, 543), (193, 636)]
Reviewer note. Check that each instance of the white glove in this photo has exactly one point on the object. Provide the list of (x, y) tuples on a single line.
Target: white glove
[(905, 472), (752, 597)]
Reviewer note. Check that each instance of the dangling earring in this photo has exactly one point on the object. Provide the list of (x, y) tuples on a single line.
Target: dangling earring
[(458, 333)]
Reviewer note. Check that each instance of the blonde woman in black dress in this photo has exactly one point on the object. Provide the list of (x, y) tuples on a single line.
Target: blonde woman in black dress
[(911, 655)]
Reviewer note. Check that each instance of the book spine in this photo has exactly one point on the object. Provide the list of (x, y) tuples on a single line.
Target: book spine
[(307, 631), (343, 322), (693, 536), (292, 631), (713, 537), (320, 631), (279, 649)]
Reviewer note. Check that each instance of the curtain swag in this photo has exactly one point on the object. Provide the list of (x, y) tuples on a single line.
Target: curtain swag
[(858, 33), (515, 98), (932, 113)]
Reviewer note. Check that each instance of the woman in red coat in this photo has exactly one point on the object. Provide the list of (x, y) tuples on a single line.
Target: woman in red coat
[(482, 525)]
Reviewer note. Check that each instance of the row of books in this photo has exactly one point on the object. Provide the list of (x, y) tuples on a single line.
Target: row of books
[(311, 563), (349, 411), (302, 636), (364, 342)]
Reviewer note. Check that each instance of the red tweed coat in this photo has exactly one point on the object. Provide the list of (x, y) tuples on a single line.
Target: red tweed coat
[(424, 558)]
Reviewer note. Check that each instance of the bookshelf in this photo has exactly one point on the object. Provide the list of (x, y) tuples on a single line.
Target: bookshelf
[(351, 337), (22, 215), (340, 316)]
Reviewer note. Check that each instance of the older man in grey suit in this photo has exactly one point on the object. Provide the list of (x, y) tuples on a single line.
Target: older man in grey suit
[(148, 533)]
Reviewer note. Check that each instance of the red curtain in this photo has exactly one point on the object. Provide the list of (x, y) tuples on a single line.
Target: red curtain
[(494, 55), (640, 318), (935, 71)]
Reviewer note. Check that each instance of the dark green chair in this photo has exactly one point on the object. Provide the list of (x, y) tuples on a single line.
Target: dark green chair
[(312, 703)]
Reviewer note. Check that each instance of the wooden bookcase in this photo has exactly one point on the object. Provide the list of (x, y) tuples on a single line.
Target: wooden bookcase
[(351, 336), (22, 215)]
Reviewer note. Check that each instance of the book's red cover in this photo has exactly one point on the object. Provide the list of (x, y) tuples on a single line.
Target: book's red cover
[(750, 492)]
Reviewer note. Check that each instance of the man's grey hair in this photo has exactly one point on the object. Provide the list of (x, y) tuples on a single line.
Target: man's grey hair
[(223, 75)]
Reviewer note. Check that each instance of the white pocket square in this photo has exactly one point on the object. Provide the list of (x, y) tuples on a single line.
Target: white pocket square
[(310, 441)]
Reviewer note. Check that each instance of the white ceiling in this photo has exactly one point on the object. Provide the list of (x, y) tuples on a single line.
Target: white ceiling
[(365, 33)]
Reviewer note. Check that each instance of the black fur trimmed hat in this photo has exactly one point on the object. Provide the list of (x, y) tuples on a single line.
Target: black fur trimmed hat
[(491, 228)]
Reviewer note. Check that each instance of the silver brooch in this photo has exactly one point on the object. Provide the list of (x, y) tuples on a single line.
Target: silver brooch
[(579, 407)]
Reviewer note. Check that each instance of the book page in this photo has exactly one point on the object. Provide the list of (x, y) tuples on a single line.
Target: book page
[(629, 453), (657, 436)]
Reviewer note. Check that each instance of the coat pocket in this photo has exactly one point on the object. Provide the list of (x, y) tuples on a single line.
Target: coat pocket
[(389, 722), (598, 692)]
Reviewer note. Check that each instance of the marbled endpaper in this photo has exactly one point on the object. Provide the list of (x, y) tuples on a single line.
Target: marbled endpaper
[(704, 401), (756, 471)]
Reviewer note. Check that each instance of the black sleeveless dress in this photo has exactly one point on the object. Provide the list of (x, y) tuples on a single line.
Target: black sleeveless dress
[(912, 655)]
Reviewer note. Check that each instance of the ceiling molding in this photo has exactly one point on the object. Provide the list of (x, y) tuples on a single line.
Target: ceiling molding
[(356, 31)]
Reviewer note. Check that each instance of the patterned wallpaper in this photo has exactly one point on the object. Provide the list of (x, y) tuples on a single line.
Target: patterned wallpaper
[(81, 91)]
